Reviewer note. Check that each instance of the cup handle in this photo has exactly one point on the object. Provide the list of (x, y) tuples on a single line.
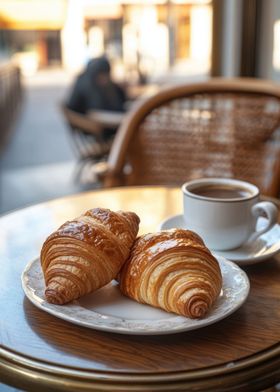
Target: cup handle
[(271, 212)]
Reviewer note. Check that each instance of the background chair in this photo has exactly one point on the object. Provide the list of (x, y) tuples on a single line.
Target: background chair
[(223, 128), (88, 139)]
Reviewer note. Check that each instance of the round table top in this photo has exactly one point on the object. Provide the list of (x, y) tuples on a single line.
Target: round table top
[(38, 349)]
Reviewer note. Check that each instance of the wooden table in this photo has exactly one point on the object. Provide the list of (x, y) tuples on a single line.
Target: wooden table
[(41, 352)]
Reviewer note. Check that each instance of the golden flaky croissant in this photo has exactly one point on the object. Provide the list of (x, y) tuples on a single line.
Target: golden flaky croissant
[(172, 270), (86, 253)]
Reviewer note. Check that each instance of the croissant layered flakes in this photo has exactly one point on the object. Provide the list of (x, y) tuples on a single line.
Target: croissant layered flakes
[(86, 253), (172, 270)]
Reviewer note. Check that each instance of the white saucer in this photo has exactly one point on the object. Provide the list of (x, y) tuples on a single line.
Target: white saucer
[(263, 248)]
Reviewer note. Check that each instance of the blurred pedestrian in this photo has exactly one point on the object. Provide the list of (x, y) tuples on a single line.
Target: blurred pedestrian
[(95, 89)]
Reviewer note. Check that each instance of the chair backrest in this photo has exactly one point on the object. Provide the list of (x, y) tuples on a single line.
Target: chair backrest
[(87, 135), (218, 128)]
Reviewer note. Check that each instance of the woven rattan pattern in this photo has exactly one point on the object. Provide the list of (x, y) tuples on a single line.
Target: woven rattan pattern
[(206, 135)]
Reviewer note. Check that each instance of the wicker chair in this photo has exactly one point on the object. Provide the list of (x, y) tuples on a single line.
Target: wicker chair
[(221, 128), (88, 140)]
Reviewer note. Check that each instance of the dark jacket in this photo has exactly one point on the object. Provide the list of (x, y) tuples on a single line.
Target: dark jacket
[(88, 94)]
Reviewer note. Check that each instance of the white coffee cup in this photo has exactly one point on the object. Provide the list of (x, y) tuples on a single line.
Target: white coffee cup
[(224, 212)]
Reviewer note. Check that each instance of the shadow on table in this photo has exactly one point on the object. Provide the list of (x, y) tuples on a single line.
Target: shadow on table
[(147, 353)]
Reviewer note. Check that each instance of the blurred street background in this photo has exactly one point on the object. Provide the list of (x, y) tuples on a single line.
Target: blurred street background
[(38, 162), (45, 44), (147, 43)]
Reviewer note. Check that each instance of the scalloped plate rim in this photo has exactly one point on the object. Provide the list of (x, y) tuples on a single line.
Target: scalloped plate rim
[(76, 314)]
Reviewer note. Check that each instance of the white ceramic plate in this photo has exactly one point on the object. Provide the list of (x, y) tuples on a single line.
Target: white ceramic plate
[(108, 310), (262, 249)]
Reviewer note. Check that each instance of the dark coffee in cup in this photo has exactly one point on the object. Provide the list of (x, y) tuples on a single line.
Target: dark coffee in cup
[(224, 211), (216, 191)]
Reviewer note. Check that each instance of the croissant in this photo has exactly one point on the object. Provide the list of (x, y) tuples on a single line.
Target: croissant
[(86, 253), (172, 270)]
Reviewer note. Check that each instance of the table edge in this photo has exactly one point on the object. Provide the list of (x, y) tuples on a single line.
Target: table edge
[(18, 367)]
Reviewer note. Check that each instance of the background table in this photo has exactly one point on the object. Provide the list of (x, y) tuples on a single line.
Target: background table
[(106, 118), (41, 352)]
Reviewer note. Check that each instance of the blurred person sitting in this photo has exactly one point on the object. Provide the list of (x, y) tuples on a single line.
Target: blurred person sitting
[(95, 90)]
